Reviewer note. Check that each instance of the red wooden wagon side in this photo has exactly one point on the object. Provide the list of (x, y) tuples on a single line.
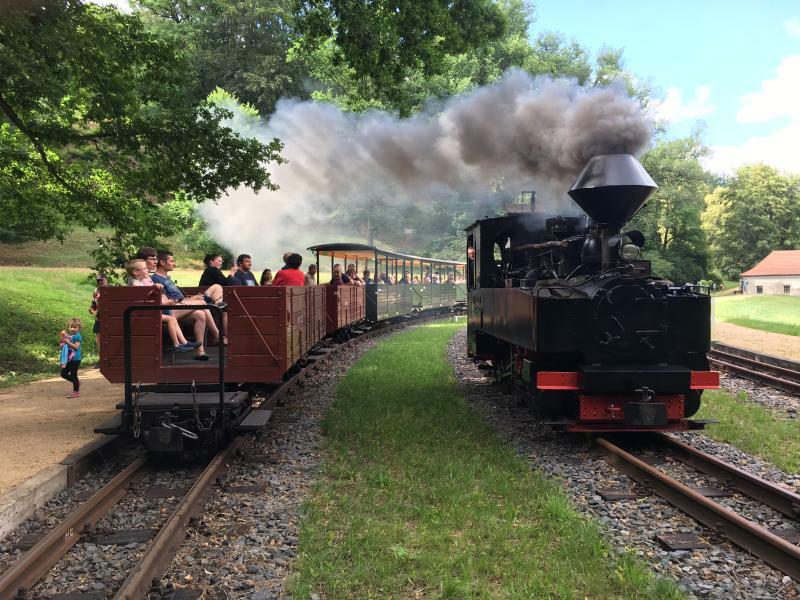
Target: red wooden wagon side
[(269, 330), (346, 305)]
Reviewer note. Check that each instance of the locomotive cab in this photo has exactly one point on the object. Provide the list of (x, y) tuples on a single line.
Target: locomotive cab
[(564, 309)]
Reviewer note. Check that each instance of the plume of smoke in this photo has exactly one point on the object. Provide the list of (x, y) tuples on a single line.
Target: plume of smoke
[(525, 132)]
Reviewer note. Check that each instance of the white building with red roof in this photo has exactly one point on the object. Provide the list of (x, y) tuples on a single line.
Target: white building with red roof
[(778, 273)]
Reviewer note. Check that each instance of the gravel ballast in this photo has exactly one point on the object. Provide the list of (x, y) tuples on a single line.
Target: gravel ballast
[(246, 540), (243, 544), (720, 570)]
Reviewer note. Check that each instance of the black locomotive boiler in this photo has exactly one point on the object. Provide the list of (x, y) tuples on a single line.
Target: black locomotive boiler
[(564, 308)]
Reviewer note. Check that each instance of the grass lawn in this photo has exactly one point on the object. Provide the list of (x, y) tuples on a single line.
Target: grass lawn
[(37, 305), (421, 499), (74, 252), (778, 314), (752, 428), (730, 287)]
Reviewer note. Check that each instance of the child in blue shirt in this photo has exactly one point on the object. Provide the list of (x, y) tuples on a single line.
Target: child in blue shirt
[(72, 342)]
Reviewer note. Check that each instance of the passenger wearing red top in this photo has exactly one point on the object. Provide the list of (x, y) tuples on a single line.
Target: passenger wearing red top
[(291, 273)]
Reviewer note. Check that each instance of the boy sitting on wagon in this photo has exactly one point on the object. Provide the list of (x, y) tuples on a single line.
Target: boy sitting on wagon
[(200, 319)]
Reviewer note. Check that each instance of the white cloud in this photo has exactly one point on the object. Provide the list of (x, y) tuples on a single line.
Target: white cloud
[(674, 109), (792, 27), (778, 97), (779, 149)]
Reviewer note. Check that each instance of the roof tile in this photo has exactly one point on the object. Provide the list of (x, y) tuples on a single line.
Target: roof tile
[(778, 262)]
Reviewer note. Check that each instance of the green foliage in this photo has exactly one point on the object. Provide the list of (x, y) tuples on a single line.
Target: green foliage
[(98, 125), (753, 213), (386, 40), (676, 244), (420, 497), (241, 45), (192, 231), (340, 82)]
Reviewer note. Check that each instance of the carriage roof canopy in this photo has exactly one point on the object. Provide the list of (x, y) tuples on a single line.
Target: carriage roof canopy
[(350, 251)]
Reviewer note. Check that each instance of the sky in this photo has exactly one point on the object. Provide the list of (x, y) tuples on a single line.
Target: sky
[(730, 66), (733, 66)]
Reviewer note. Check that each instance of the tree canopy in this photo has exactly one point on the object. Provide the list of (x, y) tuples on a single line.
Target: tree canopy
[(671, 220), (240, 45), (123, 120), (99, 123), (753, 213), (340, 82), (384, 40)]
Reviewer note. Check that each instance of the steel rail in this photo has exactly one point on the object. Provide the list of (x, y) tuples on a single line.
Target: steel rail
[(771, 494), (158, 556), (758, 360), (36, 562), (773, 375), (160, 552), (744, 533)]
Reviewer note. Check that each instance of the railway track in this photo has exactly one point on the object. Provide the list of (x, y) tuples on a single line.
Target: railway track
[(775, 547), (144, 578), (770, 370)]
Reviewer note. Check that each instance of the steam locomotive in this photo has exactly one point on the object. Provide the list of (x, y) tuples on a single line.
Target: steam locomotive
[(564, 309)]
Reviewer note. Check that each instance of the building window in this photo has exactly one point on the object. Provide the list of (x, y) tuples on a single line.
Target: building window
[(759, 289), (786, 289)]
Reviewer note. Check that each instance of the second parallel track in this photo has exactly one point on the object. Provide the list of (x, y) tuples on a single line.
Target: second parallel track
[(743, 532)]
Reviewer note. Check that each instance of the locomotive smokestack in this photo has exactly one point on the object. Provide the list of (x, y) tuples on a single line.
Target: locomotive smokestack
[(612, 188)]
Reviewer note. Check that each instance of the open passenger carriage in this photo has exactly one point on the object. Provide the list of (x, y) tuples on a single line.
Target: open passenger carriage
[(386, 301), (271, 330)]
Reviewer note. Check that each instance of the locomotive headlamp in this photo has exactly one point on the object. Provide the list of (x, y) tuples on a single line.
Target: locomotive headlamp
[(629, 252)]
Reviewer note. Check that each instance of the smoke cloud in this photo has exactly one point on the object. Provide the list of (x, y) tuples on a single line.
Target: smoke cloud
[(520, 133)]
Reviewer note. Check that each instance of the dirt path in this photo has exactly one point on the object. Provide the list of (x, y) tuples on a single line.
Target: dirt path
[(776, 344), (39, 426)]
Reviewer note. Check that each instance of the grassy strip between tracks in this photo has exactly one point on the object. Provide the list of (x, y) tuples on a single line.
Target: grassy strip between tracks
[(421, 499), (752, 428), (777, 314)]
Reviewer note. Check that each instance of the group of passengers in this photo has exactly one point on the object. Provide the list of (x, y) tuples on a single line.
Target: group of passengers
[(350, 277), (242, 272), (151, 267)]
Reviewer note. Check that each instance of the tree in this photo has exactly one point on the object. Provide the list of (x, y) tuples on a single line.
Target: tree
[(671, 220), (344, 84), (240, 45), (98, 126), (384, 42), (549, 54), (755, 212)]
